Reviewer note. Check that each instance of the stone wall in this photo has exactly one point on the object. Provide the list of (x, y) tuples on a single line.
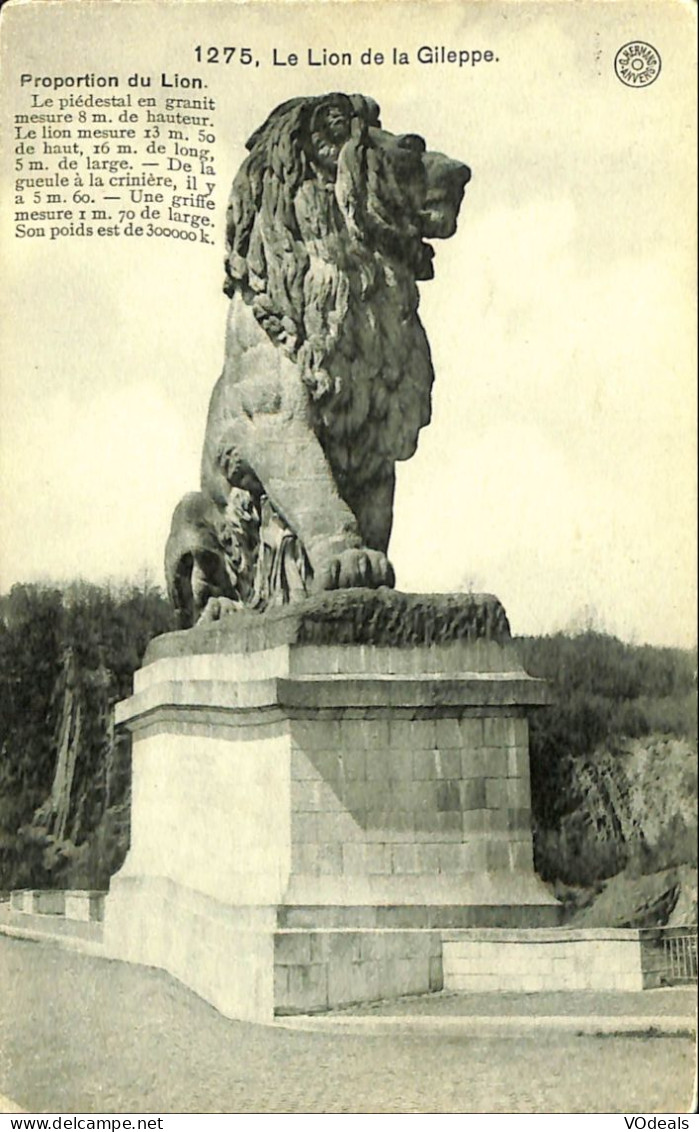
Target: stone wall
[(409, 793), (545, 960)]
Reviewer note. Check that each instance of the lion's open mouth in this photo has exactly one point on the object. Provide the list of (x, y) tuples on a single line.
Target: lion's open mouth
[(437, 203), (446, 184), (438, 216), (423, 264)]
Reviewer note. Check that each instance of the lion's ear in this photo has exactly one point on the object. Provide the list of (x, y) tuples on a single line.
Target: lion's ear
[(366, 109)]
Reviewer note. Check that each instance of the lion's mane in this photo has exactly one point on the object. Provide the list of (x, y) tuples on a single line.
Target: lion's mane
[(324, 247)]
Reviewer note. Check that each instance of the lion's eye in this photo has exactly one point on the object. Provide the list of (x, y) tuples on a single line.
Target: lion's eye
[(336, 124)]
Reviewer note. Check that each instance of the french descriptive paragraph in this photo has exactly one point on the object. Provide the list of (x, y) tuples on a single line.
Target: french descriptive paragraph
[(97, 156)]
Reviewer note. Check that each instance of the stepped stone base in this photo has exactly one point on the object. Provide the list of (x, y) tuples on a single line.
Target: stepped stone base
[(307, 816), (242, 961)]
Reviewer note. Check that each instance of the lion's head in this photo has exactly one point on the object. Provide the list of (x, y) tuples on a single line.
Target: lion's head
[(327, 225)]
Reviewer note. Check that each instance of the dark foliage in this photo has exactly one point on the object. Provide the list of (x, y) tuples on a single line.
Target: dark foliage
[(30, 651), (607, 687), (604, 692), (88, 639)]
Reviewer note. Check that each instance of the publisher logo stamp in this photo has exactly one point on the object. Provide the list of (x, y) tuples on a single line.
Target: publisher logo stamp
[(637, 63)]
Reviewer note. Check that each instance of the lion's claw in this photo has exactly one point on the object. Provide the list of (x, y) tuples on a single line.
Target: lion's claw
[(356, 567), (217, 608)]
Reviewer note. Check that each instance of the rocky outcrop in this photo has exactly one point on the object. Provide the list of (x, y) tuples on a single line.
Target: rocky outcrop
[(630, 900), (631, 815), (89, 797)]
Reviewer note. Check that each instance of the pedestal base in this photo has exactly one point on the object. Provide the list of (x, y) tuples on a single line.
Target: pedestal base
[(307, 817)]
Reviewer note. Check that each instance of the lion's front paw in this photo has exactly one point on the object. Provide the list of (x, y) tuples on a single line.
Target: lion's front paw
[(217, 608), (356, 567)]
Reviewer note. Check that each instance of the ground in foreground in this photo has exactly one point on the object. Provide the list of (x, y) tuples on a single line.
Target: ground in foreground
[(79, 1034)]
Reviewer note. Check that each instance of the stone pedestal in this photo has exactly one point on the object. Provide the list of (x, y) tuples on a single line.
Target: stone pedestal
[(318, 792)]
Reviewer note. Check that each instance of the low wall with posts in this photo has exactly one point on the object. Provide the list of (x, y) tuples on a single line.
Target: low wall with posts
[(72, 904)]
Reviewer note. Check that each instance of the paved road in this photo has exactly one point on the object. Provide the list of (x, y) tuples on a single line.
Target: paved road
[(79, 1034)]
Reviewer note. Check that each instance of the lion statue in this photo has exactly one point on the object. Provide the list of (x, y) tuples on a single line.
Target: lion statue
[(327, 373)]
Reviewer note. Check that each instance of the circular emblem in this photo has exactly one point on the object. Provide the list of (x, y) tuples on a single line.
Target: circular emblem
[(637, 63)]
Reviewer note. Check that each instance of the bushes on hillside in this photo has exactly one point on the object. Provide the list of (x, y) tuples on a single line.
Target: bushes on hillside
[(605, 693), (66, 656)]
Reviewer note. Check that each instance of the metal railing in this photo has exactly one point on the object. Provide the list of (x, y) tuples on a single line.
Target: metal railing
[(669, 956)]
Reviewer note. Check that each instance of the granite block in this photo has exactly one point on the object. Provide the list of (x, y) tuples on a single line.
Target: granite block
[(496, 793), (307, 987), (330, 857), (474, 821), (354, 764), (495, 762), (519, 793), (316, 734), (474, 763), (304, 827), (424, 765), (292, 948), (448, 796), (447, 763), (404, 858), (448, 733), (301, 766), (471, 732), (497, 855), (473, 795), (496, 731), (305, 857)]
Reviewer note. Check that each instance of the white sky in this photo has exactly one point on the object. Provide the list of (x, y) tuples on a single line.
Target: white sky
[(559, 470)]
